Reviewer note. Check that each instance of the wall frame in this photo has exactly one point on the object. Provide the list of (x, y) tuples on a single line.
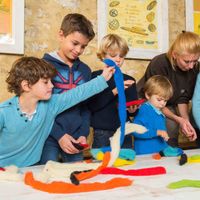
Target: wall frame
[(12, 26), (192, 9), (144, 25)]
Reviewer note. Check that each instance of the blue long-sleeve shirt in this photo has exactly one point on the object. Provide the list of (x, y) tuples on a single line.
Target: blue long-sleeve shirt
[(196, 102), (153, 120), (21, 140)]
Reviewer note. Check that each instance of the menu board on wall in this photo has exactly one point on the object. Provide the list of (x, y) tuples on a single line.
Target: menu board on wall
[(141, 22)]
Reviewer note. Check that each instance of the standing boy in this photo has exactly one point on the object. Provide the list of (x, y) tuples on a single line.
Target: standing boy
[(104, 106), (71, 126)]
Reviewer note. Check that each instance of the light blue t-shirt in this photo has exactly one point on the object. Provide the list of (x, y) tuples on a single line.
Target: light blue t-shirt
[(22, 140), (196, 102)]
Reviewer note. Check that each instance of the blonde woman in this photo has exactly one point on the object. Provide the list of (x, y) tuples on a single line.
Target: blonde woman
[(180, 65)]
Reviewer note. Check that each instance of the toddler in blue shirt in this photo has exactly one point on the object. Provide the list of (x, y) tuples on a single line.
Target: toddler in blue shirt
[(157, 90)]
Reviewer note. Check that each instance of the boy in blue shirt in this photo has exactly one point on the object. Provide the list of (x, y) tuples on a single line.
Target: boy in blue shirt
[(72, 125), (27, 118)]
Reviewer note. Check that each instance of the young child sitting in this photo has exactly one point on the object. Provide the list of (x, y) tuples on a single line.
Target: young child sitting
[(27, 118), (157, 91)]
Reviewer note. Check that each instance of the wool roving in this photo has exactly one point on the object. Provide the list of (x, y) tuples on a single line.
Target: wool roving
[(119, 82)]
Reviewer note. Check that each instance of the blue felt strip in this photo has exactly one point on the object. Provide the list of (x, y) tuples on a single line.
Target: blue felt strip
[(119, 82)]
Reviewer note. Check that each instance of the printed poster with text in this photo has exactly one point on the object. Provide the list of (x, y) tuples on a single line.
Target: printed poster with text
[(135, 20)]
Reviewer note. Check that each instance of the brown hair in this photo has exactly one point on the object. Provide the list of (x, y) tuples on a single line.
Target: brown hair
[(76, 22), (185, 43), (30, 69), (158, 85), (112, 42)]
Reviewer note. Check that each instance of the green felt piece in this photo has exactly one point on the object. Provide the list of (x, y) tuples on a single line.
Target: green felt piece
[(184, 183), (195, 157)]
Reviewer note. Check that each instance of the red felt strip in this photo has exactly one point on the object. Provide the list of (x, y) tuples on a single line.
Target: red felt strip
[(135, 172), (135, 102), (2, 169)]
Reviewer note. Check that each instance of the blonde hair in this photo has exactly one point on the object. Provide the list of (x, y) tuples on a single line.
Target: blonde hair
[(112, 42), (158, 85), (185, 43)]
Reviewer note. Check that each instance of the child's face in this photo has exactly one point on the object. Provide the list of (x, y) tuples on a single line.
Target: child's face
[(115, 56), (41, 90), (72, 46), (157, 101)]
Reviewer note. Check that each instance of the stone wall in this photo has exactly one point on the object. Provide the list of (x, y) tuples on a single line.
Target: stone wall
[(42, 21)]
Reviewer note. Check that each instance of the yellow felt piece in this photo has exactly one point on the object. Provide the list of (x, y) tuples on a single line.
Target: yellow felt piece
[(192, 160), (121, 162), (118, 162), (100, 155)]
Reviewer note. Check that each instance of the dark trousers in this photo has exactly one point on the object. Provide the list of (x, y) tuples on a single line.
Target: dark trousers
[(101, 139)]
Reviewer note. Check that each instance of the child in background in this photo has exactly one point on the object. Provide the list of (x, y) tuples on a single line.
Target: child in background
[(157, 91), (72, 125), (27, 118), (104, 106)]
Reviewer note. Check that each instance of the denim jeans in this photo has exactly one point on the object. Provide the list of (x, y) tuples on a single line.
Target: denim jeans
[(101, 139), (52, 151)]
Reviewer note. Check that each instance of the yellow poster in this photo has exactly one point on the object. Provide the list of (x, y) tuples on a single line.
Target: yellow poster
[(136, 22), (196, 16)]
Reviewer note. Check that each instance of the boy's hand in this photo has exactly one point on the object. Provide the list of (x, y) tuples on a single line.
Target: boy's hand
[(82, 140), (128, 83), (132, 109), (163, 134), (108, 72), (66, 144), (82, 143)]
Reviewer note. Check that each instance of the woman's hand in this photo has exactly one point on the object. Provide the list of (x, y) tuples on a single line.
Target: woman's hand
[(187, 129)]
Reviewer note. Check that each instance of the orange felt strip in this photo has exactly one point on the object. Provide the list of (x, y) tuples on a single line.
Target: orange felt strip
[(156, 156), (62, 187), (85, 175)]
